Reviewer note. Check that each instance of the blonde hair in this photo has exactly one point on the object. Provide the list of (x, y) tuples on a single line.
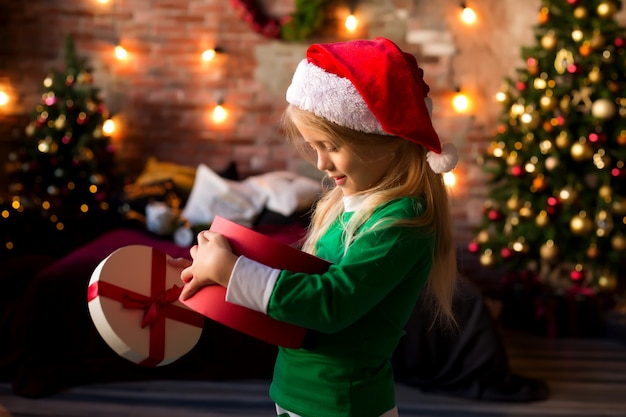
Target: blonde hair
[(409, 175)]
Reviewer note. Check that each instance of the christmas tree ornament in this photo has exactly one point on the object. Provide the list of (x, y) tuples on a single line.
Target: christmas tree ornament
[(585, 49), (607, 282), (549, 251), (618, 207), (539, 183), (581, 151), (520, 245), (486, 258), (514, 203), (578, 273), (542, 219), (603, 109), (606, 193), (549, 41), (606, 9), (527, 211), (618, 242), (544, 15), (548, 101), (506, 253), (483, 236), (580, 12), (592, 251), (581, 224), (551, 163), (597, 40), (564, 59), (595, 75)]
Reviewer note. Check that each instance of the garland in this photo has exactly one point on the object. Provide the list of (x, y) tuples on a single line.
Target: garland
[(302, 23)]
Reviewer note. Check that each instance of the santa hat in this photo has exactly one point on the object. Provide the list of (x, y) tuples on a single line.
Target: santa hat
[(370, 86)]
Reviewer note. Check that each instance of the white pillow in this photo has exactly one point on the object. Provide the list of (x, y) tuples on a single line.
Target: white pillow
[(213, 195), (286, 192)]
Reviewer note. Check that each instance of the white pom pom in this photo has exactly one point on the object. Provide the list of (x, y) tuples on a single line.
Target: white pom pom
[(445, 161)]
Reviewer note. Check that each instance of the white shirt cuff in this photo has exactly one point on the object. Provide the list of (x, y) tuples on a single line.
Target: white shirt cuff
[(251, 284)]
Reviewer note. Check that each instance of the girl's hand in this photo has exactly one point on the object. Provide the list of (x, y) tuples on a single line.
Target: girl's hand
[(213, 263)]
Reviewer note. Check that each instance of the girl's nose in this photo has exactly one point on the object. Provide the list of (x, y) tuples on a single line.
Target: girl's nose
[(323, 162)]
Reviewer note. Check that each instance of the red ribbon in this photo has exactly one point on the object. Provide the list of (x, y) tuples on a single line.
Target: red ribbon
[(157, 307)]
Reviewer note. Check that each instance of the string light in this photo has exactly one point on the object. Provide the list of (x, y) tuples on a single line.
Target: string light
[(460, 102), (468, 15), (4, 98), (108, 127), (219, 112), (449, 179), (351, 23), (211, 53), (121, 53)]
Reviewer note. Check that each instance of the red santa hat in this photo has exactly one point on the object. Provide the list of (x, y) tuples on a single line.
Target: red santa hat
[(370, 86)]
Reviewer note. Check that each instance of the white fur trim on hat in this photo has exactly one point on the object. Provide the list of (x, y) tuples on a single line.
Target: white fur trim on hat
[(332, 98), (445, 161)]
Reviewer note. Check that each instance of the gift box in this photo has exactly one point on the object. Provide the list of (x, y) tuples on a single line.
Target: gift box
[(133, 302), (210, 300)]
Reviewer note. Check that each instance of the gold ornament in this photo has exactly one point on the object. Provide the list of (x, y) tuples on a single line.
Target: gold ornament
[(547, 102), (564, 59), (607, 282), (542, 219), (603, 109), (619, 207), (581, 224), (514, 203), (549, 251), (548, 41), (577, 35), (595, 75), (580, 12), (606, 9), (581, 151), (618, 242), (563, 140), (482, 237), (606, 192), (597, 40), (486, 258)]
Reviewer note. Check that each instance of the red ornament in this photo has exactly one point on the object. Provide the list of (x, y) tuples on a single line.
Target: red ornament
[(506, 253), (520, 85), (473, 247), (619, 42), (493, 215), (577, 275), (517, 171)]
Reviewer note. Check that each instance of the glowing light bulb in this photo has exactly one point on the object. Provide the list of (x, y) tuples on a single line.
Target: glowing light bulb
[(351, 23), (468, 15), (449, 179), (219, 113), (208, 55), (108, 127), (4, 98), (460, 102), (121, 53)]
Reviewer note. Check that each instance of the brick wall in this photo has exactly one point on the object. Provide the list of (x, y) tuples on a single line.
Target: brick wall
[(163, 93)]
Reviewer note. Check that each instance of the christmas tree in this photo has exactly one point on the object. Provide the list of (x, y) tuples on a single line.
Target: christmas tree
[(62, 177), (557, 194)]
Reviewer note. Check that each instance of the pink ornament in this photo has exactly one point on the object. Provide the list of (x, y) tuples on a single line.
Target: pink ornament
[(517, 171), (577, 275), (473, 247), (553, 201), (506, 253), (493, 215)]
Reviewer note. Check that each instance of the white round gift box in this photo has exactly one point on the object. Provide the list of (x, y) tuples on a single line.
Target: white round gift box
[(133, 303)]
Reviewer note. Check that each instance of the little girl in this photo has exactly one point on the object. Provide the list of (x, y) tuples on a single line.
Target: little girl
[(362, 108)]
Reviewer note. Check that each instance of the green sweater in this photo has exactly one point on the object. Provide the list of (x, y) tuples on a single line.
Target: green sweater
[(356, 312)]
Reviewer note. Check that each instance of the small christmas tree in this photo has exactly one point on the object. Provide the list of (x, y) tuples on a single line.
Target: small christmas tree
[(557, 197), (62, 178)]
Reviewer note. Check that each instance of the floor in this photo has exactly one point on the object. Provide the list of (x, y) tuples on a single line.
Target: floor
[(587, 377)]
